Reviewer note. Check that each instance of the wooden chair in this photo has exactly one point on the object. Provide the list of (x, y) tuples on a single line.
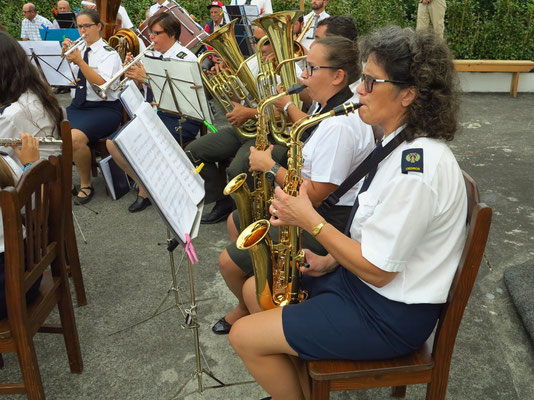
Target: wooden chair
[(431, 363), (72, 257), (35, 204)]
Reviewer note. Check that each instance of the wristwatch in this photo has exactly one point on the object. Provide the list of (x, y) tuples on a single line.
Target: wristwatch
[(271, 174)]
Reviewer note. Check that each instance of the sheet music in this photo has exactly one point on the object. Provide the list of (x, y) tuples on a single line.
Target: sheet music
[(55, 68), (163, 168), (184, 81), (131, 98)]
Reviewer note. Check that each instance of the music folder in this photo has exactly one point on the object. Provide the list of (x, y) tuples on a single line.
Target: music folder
[(164, 170)]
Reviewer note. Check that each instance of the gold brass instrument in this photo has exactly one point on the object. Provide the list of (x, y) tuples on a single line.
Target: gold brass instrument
[(108, 10), (74, 45), (12, 141), (125, 41), (307, 27), (237, 80), (255, 206), (279, 29), (285, 257), (101, 90)]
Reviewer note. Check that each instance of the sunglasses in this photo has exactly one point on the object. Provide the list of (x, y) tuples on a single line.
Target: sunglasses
[(369, 82)]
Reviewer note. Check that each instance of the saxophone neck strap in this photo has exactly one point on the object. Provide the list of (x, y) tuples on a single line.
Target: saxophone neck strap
[(367, 165)]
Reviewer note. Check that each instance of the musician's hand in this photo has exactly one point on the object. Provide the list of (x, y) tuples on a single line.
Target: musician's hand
[(75, 57), (271, 57), (239, 114), (290, 210), (218, 67), (29, 149), (127, 59), (281, 102), (318, 265), (261, 160), (65, 45), (137, 73)]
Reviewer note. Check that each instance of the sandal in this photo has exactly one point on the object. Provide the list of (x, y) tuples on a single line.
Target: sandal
[(88, 196), (75, 190)]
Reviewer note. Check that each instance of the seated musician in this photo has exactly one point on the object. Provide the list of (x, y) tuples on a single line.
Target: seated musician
[(63, 6), (27, 103), (91, 118), (10, 173), (333, 150), (226, 143), (165, 31), (379, 292)]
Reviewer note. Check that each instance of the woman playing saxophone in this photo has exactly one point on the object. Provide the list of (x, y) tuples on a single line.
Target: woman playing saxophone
[(330, 153)]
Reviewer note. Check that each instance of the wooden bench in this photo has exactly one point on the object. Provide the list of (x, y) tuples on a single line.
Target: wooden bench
[(513, 66)]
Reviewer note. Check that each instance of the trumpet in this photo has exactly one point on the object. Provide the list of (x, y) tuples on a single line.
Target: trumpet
[(100, 90), (12, 141), (74, 45)]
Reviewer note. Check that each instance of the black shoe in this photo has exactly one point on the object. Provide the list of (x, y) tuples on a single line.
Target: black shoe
[(89, 192), (75, 190), (220, 211), (139, 204), (221, 327)]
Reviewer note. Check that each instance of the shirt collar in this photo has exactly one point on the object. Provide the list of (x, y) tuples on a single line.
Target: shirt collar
[(339, 98), (97, 45), (390, 137)]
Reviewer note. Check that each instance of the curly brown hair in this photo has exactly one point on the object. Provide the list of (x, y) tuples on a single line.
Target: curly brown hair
[(424, 61)]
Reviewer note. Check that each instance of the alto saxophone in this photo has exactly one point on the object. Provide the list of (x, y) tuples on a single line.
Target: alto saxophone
[(282, 286), (253, 206)]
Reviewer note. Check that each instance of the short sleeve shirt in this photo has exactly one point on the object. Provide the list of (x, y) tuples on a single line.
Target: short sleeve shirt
[(309, 37), (414, 223), (30, 29)]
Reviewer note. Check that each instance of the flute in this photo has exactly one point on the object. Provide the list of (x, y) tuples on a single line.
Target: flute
[(12, 141)]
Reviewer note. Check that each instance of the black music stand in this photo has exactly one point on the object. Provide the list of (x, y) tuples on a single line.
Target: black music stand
[(66, 20), (244, 32)]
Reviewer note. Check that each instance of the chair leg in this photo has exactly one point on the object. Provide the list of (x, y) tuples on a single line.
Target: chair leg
[(320, 390), (29, 369), (73, 261), (398, 391), (1, 361), (436, 390), (70, 331)]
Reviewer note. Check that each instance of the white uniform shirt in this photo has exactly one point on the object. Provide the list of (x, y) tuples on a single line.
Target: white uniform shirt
[(17, 173), (178, 52), (27, 114), (264, 6), (156, 6), (105, 61), (55, 24), (309, 37), (123, 15), (414, 223), (335, 149), (30, 29)]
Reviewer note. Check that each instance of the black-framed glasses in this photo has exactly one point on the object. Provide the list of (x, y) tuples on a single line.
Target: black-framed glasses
[(155, 33), (85, 26), (310, 68), (369, 82)]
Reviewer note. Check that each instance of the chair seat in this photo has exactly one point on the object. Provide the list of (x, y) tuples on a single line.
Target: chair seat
[(419, 360), (47, 285)]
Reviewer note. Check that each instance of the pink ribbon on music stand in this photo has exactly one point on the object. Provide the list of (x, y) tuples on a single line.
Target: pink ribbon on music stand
[(190, 250)]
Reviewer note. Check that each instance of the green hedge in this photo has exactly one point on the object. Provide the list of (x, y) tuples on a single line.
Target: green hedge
[(479, 29)]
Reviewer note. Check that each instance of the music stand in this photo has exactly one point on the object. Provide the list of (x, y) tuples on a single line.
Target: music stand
[(46, 56), (177, 88), (244, 33), (66, 20)]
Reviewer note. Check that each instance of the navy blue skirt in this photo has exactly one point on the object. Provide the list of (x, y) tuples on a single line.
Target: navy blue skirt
[(344, 318), (96, 119)]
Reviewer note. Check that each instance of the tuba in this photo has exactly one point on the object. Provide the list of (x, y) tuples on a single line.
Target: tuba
[(281, 286), (125, 41), (279, 30), (108, 10), (237, 80)]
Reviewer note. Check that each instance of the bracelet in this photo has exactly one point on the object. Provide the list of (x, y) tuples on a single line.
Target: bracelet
[(317, 228), (289, 103), (26, 166)]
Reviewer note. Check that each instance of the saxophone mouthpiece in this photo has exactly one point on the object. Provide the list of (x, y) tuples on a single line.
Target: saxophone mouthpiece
[(296, 88), (346, 108)]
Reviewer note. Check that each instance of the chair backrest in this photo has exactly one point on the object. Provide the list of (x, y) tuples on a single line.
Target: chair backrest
[(33, 233), (478, 226)]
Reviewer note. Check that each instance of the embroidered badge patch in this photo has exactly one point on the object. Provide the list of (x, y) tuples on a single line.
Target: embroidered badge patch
[(412, 161), (181, 55), (109, 48)]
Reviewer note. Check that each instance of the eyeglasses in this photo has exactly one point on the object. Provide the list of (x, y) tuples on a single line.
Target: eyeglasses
[(155, 33), (310, 68), (369, 81), (87, 26)]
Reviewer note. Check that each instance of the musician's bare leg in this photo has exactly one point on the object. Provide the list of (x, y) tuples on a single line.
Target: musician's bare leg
[(117, 157), (232, 229), (260, 342), (234, 278), (81, 155), (249, 296)]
